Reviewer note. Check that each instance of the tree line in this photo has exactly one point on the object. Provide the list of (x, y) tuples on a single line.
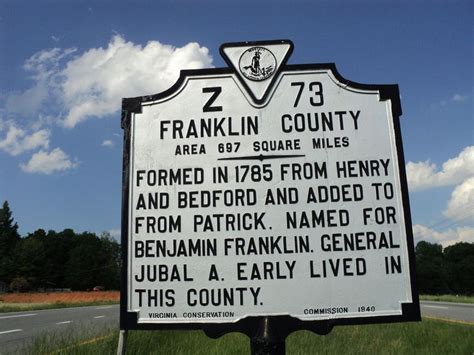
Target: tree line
[(445, 271), (48, 260), (81, 261)]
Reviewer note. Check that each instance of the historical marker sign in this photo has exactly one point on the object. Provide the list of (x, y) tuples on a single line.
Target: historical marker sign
[(265, 189)]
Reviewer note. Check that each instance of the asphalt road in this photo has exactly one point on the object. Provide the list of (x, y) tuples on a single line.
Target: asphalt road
[(18, 329), (460, 312)]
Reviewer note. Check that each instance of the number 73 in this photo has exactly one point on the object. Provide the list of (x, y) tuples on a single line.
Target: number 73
[(314, 87)]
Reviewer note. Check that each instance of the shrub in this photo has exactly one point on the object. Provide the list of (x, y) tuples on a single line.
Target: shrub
[(20, 284)]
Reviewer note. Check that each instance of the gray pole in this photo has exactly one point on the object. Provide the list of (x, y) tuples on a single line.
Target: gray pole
[(122, 343), (267, 341)]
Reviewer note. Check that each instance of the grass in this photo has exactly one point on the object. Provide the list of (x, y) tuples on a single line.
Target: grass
[(427, 337), (139, 342), (447, 298), (72, 341), (15, 302)]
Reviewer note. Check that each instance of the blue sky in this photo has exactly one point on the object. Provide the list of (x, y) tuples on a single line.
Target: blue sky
[(65, 65)]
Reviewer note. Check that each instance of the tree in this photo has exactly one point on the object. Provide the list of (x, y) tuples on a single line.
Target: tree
[(57, 247), (9, 237), (30, 260), (65, 259), (111, 261), (83, 268), (459, 261), (431, 274)]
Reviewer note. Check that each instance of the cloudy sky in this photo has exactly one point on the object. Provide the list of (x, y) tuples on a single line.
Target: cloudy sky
[(65, 65)]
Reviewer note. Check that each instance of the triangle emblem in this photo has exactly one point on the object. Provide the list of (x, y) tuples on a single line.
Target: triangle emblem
[(257, 64)]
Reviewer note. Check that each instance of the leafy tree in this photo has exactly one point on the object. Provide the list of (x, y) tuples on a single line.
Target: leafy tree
[(8, 239), (30, 259), (93, 261), (111, 261), (58, 246), (83, 268), (431, 274), (65, 259), (459, 260)]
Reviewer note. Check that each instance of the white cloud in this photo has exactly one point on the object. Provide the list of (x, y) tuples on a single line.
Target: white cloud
[(456, 99), (29, 101), (459, 98), (45, 63), (461, 204), (115, 233), (43, 68), (446, 238), (424, 175), (108, 143), (456, 171), (93, 84), (17, 141), (69, 88), (47, 163)]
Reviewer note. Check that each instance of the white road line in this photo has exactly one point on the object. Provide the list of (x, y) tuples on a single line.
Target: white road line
[(99, 317), (11, 331), (65, 322), (440, 307), (104, 307), (19, 315)]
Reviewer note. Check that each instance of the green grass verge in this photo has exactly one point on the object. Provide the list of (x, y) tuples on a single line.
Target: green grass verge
[(19, 307), (427, 337), (447, 298)]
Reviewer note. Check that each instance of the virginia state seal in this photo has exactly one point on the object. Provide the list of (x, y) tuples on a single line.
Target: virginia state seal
[(257, 63)]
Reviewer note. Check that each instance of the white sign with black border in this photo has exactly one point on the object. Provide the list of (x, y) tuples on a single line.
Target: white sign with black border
[(265, 189)]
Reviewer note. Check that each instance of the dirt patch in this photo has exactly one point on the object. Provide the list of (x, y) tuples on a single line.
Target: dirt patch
[(61, 297)]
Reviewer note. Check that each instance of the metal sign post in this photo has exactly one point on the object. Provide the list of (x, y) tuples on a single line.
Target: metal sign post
[(265, 198), (266, 340), (122, 342)]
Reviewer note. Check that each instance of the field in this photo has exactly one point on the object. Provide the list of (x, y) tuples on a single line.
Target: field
[(11, 302), (427, 337)]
